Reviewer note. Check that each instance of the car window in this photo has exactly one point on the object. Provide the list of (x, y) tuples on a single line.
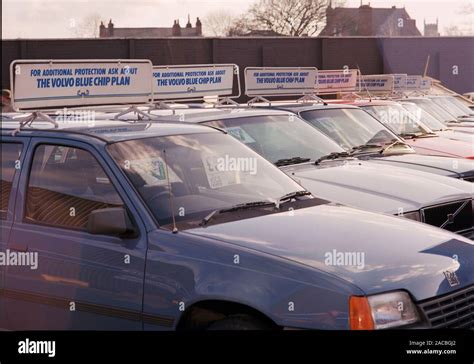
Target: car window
[(397, 118), (10, 164), (66, 184), (349, 127), (424, 117), (277, 137), (187, 177)]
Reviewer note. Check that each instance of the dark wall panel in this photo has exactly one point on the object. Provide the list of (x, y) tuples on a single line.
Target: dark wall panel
[(372, 55)]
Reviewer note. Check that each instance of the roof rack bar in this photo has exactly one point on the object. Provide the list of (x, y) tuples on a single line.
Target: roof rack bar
[(30, 119), (257, 99), (310, 98), (135, 110)]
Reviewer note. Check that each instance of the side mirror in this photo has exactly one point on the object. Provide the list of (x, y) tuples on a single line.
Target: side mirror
[(110, 221)]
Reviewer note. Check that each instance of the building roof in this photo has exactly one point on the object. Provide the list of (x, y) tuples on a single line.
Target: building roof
[(152, 32), (366, 20)]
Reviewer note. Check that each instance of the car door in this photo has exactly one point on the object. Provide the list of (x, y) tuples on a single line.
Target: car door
[(12, 160), (78, 280)]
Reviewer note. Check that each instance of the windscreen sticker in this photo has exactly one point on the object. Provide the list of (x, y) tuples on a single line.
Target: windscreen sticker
[(153, 171), (240, 134), (225, 170)]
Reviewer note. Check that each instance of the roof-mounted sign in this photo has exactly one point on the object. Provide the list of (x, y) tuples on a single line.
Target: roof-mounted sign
[(279, 81), (400, 81), (426, 83), (39, 84), (334, 81), (376, 83), (193, 81), (413, 82)]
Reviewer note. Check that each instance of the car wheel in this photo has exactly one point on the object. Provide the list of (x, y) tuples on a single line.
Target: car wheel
[(239, 322)]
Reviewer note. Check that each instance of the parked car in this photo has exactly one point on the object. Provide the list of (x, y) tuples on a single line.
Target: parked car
[(441, 115), (328, 171), (435, 125), (138, 227), (363, 136), (417, 135)]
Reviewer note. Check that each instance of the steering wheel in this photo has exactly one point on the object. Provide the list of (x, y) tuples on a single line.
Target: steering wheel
[(159, 195)]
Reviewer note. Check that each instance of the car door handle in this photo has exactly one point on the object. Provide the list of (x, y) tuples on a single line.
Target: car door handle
[(18, 247)]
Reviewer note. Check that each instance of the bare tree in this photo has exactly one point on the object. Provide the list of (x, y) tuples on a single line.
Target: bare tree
[(452, 30), (218, 23), (464, 27), (88, 27), (287, 17)]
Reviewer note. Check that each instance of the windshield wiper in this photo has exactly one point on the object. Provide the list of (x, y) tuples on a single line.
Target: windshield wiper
[(289, 161), (290, 196), (391, 145), (410, 135), (242, 206), (365, 146), (334, 155)]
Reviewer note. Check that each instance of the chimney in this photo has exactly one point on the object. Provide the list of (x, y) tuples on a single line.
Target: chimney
[(189, 25), (102, 30), (198, 27), (110, 27), (365, 25), (176, 30)]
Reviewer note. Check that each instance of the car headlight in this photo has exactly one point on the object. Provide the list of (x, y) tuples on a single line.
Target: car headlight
[(382, 311), (411, 215)]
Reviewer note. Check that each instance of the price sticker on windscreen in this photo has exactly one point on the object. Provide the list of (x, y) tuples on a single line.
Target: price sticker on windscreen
[(193, 81), (332, 81), (284, 81), (40, 84)]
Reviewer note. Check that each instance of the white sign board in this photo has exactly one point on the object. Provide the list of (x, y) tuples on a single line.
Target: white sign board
[(425, 83), (61, 83), (332, 81), (284, 81), (400, 82), (413, 82), (376, 83), (193, 81)]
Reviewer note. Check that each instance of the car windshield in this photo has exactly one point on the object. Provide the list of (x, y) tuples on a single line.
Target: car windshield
[(426, 118), (282, 139), (398, 119), (433, 109), (446, 104), (452, 103), (350, 128), (461, 105), (198, 174)]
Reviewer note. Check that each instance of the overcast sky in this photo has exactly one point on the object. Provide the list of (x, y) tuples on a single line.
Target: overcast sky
[(57, 18)]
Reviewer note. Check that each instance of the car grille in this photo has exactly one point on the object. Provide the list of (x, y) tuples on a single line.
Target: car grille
[(455, 216), (455, 310)]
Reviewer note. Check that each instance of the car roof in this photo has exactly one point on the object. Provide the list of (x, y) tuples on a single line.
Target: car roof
[(108, 130), (209, 114), (307, 106), (372, 102)]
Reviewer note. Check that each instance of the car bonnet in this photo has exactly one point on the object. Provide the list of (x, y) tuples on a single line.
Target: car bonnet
[(394, 253)]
